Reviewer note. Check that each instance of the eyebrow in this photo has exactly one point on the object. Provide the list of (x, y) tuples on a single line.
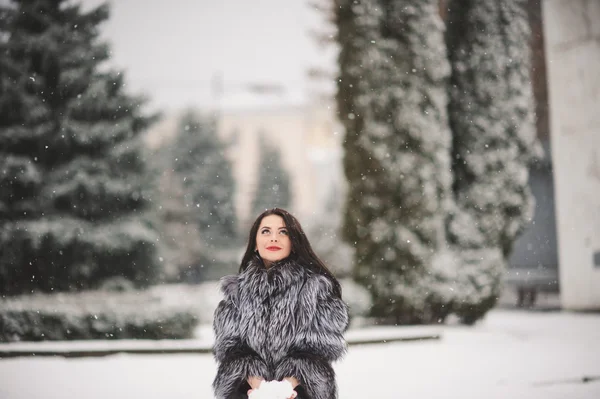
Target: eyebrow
[(267, 227)]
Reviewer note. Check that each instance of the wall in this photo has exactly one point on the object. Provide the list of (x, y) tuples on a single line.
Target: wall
[(573, 60)]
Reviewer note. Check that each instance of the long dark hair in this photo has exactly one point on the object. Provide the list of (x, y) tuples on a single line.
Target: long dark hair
[(302, 251)]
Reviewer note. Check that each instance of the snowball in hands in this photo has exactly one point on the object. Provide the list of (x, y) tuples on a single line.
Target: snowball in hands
[(273, 390)]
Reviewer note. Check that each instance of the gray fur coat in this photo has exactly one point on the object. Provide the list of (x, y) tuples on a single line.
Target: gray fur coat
[(279, 322)]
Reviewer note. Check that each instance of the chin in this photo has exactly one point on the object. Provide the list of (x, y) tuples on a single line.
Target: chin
[(273, 260)]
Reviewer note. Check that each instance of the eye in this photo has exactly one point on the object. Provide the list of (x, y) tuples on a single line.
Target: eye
[(284, 232), (263, 231)]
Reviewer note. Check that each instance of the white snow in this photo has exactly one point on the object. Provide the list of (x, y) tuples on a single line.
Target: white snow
[(203, 341), (511, 354)]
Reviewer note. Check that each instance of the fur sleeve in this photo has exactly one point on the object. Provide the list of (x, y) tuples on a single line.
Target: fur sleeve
[(321, 326), (237, 361)]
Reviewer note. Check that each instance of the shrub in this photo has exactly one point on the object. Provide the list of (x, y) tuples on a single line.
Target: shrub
[(96, 315)]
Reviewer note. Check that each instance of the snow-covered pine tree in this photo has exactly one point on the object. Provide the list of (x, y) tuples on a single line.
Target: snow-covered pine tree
[(199, 161), (72, 175), (392, 101), (324, 231), (494, 141), (180, 239), (491, 114), (273, 180)]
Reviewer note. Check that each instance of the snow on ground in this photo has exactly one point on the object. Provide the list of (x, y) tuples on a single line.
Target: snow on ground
[(512, 354)]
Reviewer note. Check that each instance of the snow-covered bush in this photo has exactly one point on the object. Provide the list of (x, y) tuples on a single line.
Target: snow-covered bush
[(96, 315), (357, 297)]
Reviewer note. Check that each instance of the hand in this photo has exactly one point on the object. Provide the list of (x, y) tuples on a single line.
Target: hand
[(292, 381), (254, 383)]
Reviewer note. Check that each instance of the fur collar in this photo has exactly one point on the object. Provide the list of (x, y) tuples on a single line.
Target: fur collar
[(262, 281)]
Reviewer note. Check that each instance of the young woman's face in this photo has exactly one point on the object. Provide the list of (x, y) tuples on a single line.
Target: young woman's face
[(272, 239)]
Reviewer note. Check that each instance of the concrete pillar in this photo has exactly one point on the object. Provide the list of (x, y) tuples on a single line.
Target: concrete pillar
[(572, 45)]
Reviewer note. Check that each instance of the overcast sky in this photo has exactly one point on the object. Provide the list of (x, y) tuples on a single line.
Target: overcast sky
[(172, 50)]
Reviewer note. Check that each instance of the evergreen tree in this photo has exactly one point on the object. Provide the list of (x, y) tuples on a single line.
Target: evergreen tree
[(200, 163), (324, 231), (392, 101), (180, 240), (273, 184), (491, 116), (72, 175)]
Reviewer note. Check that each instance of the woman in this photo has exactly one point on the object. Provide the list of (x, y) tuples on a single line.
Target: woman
[(282, 317)]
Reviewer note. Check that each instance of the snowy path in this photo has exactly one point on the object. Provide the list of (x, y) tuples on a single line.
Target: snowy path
[(510, 355)]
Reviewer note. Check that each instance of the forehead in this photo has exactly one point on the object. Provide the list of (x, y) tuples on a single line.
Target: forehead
[(272, 221)]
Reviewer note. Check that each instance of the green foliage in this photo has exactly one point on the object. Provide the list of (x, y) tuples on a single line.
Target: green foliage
[(197, 218), (392, 101), (180, 241), (273, 184), (73, 255), (73, 179), (183, 247), (435, 200), (95, 315), (494, 142), (200, 164), (491, 114)]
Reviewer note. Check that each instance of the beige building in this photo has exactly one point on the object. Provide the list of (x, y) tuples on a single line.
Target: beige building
[(306, 141), (307, 136)]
